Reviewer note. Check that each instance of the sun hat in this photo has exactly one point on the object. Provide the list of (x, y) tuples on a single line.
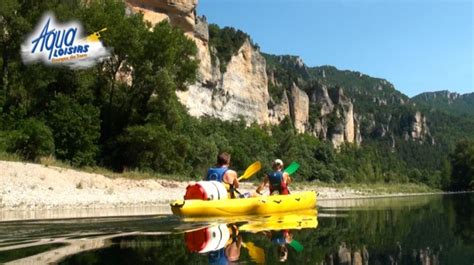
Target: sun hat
[(278, 162)]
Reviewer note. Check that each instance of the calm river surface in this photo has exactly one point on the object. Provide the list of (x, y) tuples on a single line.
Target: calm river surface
[(410, 230)]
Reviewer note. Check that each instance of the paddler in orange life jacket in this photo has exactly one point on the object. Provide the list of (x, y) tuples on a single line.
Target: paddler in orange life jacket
[(278, 180), (222, 173)]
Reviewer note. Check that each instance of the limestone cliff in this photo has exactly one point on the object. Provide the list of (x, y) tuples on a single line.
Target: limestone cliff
[(323, 101), (418, 129), (336, 120), (299, 108), (180, 13), (240, 92)]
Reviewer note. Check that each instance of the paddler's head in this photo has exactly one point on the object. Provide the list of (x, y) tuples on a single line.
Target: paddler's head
[(223, 159), (277, 164), (282, 253)]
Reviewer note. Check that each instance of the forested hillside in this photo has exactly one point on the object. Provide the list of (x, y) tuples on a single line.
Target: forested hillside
[(124, 114), (387, 118), (452, 103)]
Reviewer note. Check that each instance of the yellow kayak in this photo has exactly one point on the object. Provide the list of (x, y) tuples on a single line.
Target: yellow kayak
[(247, 206)]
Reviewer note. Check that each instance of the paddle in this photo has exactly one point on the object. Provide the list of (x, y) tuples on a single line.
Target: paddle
[(292, 168), (256, 253), (250, 171), (296, 245)]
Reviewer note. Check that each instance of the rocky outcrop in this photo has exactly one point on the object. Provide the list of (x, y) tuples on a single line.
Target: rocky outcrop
[(418, 129), (246, 86), (336, 121), (201, 30), (180, 13), (418, 126), (278, 112), (241, 91), (299, 108)]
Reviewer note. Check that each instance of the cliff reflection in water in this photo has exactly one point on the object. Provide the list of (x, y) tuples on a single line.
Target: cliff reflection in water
[(412, 231), (361, 256)]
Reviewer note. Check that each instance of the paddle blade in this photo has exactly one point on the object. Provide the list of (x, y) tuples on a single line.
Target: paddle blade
[(292, 168), (296, 245), (251, 170), (256, 253)]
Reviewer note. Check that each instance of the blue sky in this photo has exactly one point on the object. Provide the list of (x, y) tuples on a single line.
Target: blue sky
[(418, 45)]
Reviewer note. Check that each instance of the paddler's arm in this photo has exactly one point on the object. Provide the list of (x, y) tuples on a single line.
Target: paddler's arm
[(231, 177), (262, 186), (287, 178)]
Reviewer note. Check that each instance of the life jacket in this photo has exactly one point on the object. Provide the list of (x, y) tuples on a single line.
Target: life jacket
[(279, 237), (277, 184), (218, 257), (217, 174)]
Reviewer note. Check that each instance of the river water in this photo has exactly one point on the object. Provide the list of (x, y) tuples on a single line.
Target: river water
[(436, 229)]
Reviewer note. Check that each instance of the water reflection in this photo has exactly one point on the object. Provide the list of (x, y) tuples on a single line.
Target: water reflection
[(222, 242), (361, 256), (421, 230), (136, 240)]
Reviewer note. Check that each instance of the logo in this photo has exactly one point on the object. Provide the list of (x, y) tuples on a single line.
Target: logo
[(63, 45)]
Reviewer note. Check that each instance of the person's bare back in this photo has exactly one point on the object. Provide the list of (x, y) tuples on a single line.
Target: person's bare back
[(230, 177)]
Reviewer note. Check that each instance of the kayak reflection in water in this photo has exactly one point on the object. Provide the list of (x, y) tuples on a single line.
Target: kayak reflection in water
[(277, 180), (280, 239), (222, 243)]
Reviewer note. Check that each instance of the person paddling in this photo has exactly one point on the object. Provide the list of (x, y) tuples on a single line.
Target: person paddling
[(278, 180), (222, 173)]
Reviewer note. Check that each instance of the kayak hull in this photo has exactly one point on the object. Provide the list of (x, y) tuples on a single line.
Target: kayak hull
[(247, 206)]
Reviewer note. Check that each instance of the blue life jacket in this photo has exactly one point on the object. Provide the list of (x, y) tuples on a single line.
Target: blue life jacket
[(275, 178), (216, 174), (218, 257), (278, 238)]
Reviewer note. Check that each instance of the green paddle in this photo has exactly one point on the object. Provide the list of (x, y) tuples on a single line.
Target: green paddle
[(292, 168), (296, 245)]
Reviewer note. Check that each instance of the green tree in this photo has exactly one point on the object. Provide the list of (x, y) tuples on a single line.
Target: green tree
[(153, 147), (462, 163), (31, 140), (76, 130)]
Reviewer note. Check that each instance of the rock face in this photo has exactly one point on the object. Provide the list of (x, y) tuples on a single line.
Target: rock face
[(277, 113), (180, 13), (314, 104), (240, 92), (336, 121), (299, 108), (418, 130)]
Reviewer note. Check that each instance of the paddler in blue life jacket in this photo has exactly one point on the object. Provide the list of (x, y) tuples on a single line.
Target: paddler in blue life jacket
[(278, 180), (222, 173)]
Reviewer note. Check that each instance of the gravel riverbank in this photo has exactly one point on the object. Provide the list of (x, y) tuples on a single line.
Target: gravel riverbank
[(28, 186)]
